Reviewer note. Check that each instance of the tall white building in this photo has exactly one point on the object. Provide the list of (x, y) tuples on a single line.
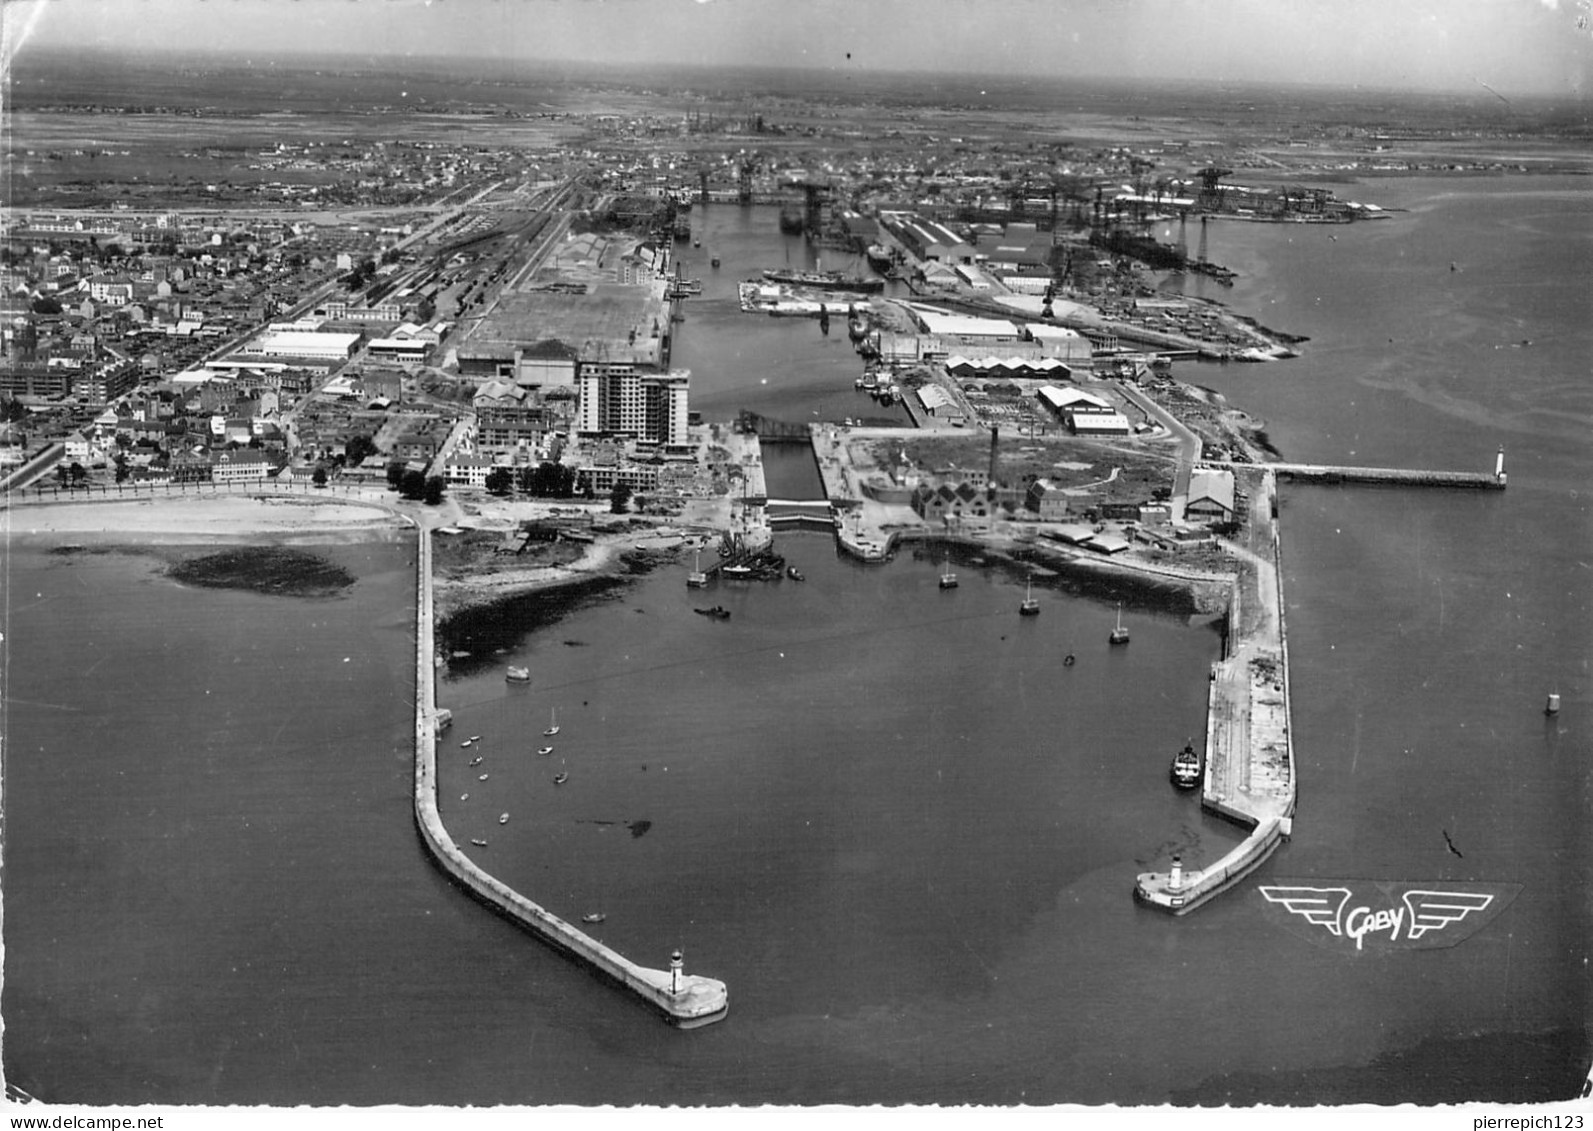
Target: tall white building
[(618, 400)]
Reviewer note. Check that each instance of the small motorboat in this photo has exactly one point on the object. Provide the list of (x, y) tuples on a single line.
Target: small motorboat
[(794, 574), (475, 738), (518, 675), (476, 761), (544, 749), (593, 917), (718, 612), (478, 842), (464, 797), (560, 778), (466, 743), (1186, 768), (483, 777), (553, 724), (503, 818)]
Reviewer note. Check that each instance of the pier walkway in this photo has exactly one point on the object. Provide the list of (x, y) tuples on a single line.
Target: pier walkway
[(1392, 476), (686, 1000)]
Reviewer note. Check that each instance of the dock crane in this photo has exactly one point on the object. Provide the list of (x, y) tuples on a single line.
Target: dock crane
[(1209, 198)]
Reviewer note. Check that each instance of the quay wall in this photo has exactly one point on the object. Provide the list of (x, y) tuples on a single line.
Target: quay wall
[(698, 1001)]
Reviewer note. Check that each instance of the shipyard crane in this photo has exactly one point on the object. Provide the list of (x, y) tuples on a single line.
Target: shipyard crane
[(749, 166), (1210, 196)]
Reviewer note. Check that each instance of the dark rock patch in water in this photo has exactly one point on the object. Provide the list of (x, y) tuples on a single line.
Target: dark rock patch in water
[(280, 571)]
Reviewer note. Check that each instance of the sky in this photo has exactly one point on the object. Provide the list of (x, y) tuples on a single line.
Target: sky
[(1515, 47)]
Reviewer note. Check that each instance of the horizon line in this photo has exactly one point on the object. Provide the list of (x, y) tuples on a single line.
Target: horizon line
[(498, 63)]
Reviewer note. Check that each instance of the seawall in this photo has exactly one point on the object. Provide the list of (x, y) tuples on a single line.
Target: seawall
[(685, 1000)]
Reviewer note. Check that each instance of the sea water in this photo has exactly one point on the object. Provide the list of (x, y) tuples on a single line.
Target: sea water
[(887, 815)]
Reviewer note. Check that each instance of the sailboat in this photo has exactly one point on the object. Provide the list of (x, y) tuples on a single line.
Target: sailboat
[(553, 724), (1119, 634), (1031, 603), (948, 579), (696, 579)]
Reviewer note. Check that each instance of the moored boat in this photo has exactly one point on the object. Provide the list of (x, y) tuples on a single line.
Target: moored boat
[(553, 723), (696, 579), (1186, 768), (1031, 604), (1119, 634), (823, 280), (593, 917)]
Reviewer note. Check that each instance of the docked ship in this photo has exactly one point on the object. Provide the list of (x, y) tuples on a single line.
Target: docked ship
[(823, 280), (879, 258), (1186, 768)]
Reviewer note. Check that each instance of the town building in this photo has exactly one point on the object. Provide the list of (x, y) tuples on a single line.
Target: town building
[(620, 401)]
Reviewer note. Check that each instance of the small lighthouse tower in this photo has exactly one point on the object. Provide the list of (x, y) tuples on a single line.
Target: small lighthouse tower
[(1175, 879), (1498, 468), (677, 971)]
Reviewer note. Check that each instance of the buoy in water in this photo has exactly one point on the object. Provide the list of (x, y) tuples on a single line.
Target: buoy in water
[(1553, 705)]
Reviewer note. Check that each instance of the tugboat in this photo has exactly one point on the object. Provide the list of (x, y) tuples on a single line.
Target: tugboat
[(1186, 768), (1119, 634), (1031, 604)]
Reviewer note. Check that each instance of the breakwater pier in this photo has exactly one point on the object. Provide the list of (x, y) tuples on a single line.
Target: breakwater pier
[(1496, 480), (1249, 771), (685, 1000)]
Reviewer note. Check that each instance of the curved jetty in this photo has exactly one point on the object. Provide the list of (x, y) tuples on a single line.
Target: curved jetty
[(685, 1000)]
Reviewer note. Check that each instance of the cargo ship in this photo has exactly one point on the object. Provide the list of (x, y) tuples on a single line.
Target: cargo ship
[(823, 280)]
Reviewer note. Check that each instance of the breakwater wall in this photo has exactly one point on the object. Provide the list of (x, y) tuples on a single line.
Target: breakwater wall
[(685, 1000), (1388, 476)]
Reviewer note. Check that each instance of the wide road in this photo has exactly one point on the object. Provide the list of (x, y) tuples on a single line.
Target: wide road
[(1188, 445)]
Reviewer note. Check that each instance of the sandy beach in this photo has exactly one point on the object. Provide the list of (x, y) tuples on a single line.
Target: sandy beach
[(204, 519)]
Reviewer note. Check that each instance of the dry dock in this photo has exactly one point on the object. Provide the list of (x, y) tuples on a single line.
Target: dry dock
[(685, 1000)]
